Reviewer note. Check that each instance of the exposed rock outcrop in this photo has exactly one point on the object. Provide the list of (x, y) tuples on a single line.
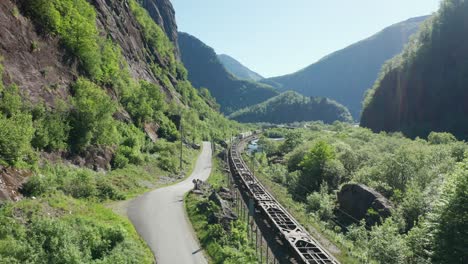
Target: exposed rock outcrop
[(34, 62), (11, 180), (163, 14), (97, 158), (357, 200), (222, 198)]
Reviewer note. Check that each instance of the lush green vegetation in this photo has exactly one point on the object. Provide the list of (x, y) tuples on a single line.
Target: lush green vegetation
[(290, 107), (61, 219), (205, 70), (424, 180), (58, 229), (221, 246), (345, 75), (422, 89)]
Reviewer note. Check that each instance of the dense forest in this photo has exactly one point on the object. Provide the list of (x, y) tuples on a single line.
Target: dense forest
[(237, 69), (424, 88), (290, 107), (380, 198), (345, 75), (206, 71), (89, 125)]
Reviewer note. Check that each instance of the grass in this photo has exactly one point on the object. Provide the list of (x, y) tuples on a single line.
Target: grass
[(220, 246), (90, 230), (60, 228)]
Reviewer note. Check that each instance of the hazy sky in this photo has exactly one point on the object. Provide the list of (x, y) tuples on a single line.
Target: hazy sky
[(276, 37)]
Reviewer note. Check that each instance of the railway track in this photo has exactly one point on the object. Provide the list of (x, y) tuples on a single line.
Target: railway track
[(300, 242)]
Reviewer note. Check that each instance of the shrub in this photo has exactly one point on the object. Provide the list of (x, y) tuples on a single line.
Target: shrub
[(16, 134), (441, 138), (52, 127), (74, 21), (10, 103), (312, 167), (92, 121), (80, 184)]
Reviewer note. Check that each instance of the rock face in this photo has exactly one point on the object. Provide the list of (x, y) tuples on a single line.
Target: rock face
[(116, 19), (11, 180), (357, 199), (97, 158), (222, 198), (163, 14), (35, 63)]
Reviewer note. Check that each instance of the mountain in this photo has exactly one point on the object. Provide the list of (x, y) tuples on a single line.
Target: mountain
[(162, 12), (92, 94), (290, 107), (424, 88), (345, 75), (205, 70), (237, 69), (82, 77)]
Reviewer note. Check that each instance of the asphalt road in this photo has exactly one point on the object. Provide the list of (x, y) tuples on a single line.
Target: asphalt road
[(159, 217)]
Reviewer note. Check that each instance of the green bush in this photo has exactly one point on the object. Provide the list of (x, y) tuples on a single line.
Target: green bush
[(51, 127), (11, 102), (312, 167), (74, 21), (92, 121), (16, 134), (451, 219), (441, 138)]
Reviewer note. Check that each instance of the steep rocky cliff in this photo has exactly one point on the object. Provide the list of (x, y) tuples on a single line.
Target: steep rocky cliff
[(80, 79), (424, 88), (34, 62), (163, 14)]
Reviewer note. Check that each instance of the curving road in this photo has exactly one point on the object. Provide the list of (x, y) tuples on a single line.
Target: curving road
[(159, 217)]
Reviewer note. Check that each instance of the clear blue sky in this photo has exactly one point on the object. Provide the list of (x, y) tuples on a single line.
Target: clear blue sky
[(276, 37)]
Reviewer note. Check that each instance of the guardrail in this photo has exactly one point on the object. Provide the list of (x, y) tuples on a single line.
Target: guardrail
[(305, 247)]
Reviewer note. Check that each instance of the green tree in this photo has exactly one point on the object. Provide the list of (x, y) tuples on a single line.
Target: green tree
[(92, 121), (16, 134), (441, 138), (292, 140), (451, 236), (313, 167)]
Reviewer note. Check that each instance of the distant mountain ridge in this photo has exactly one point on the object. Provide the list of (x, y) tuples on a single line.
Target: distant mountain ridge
[(206, 71), (238, 69), (345, 75), (290, 107)]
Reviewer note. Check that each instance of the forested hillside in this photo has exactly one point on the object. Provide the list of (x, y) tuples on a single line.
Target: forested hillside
[(424, 88), (237, 69), (91, 98), (345, 75), (290, 107), (206, 71), (379, 198)]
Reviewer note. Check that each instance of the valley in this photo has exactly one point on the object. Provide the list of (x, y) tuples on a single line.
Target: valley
[(123, 138)]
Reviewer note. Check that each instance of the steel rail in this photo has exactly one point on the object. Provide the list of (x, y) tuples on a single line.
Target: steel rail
[(300, 241)]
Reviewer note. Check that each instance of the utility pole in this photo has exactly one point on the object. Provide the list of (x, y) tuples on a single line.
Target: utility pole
[(181, 142)]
